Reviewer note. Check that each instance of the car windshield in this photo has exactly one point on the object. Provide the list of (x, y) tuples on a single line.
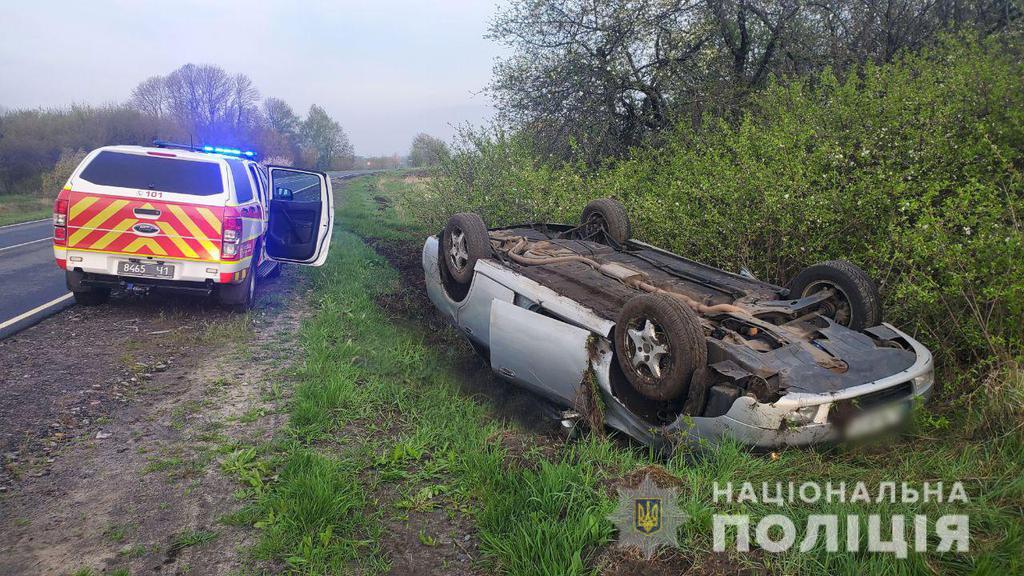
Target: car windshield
[(154, 173)]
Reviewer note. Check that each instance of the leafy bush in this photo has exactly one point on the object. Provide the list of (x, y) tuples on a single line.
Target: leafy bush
[(55, 178), (911, 169)]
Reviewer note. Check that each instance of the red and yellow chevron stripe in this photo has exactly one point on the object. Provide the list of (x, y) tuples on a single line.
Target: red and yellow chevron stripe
[(101, 223)]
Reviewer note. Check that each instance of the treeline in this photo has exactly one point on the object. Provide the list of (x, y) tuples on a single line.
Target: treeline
[(593, 79), (195, 103), (909, 164)]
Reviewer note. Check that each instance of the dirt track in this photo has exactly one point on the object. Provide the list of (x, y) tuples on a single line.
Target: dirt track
[(110, 421)]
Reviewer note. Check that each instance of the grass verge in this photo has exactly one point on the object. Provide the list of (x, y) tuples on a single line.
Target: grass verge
[(379, 407), (15, 208)]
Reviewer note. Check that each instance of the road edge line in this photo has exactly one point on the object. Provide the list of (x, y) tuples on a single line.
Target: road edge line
[(36, 310), (25, 243), (23, 223)]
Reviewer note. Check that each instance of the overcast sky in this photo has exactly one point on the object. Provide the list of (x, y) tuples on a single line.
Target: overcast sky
[(384, 69)]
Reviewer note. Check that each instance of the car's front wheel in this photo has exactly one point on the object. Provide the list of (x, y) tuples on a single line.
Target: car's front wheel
[(854, 301), (463, 242), (606, 216), (659, 344)]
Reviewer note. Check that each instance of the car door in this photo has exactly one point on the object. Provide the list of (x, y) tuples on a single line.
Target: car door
[(300, 216), (537, 351)]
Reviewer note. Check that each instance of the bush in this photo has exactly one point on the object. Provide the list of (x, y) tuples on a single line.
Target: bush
[(55, 178), (910, 169)]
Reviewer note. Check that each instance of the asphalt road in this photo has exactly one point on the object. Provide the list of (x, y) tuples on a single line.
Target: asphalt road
[(31, 285)]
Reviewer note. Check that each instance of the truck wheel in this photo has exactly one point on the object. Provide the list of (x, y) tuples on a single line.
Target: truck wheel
[(855, 302), (85, 295), (239, 297), (659, 343), (607, 215), (463, 242), (94, 297)]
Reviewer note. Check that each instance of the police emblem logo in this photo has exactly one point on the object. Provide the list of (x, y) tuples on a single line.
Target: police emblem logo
[(648, 517)]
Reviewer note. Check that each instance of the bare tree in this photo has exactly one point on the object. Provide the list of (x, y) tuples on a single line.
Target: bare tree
[(150, 97)]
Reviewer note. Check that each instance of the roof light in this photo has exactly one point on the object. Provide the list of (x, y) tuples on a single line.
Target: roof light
[(229, 151)]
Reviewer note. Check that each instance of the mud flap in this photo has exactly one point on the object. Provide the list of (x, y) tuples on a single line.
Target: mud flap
[(537, 351)]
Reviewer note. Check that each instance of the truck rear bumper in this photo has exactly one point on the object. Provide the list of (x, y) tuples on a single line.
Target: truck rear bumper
[(186, 272)]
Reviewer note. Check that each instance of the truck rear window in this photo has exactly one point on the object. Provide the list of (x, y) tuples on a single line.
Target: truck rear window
[(154, 173)]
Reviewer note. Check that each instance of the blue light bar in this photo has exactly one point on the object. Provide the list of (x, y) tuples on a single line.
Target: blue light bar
[(229, 151)]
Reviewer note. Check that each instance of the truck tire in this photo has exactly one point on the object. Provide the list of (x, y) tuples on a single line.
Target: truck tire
[(239, 297), (85, 295), (94, 297), (856, 303), (608, 215), (463, 242), (659, 343)]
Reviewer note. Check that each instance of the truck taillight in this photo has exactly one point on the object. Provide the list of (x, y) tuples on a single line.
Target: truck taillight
[(60, 219), (232, 241)]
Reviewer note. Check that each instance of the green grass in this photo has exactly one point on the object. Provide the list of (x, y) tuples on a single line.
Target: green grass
[(16, 208), (189, 538), (378, 408)]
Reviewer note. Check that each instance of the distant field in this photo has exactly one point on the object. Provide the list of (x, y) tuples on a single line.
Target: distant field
[(16, 208)]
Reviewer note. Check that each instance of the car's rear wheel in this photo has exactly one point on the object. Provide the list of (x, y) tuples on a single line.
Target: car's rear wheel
[(463, 242), (659, 343), (239, 297), (606, 215), (85, 295), (854, 303), (93, 297)]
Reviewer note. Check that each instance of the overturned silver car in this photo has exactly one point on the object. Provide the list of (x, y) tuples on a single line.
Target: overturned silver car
[(670, 350)]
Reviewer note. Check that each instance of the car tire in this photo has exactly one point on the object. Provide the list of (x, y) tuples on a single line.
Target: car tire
[(856, 304), (609, 215), (659, 344), (239, 297), (92, 297), (463, 242)]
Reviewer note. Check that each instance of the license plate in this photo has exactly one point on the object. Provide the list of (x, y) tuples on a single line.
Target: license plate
[(877, 420), (145, 269)]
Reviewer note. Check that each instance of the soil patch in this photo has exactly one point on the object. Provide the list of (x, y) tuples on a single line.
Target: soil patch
[(149, 394)]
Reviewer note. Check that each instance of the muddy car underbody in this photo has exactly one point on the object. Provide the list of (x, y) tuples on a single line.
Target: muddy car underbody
[(542, 308)]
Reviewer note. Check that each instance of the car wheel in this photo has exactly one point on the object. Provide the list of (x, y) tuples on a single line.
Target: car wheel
[(855, 302), (659, 343), (464, 241), (93, 297), (239, 297), (607, 215)]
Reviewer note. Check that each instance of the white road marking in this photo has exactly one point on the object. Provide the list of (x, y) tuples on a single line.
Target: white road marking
[(39, 308), (25, 243), (23, 223)]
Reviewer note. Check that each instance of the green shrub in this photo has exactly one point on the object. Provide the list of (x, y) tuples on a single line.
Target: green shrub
[(911, 169)]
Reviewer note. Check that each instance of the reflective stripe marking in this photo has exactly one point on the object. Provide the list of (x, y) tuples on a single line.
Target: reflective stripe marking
[(96, 221), (210, 219), (116, 231), (194, 230), (80, 206), (148, 243), (173, 235)]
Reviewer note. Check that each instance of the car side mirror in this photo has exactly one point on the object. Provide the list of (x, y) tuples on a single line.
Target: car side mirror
[(284, 194)]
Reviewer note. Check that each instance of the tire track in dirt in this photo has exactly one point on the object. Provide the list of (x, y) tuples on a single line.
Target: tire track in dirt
[(146, 413)]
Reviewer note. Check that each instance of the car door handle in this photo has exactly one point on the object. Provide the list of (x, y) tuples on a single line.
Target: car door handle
[(508, 372)]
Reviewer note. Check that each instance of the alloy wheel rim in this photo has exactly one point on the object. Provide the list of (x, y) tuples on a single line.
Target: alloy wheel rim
[(458, 255), (648, 350)]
